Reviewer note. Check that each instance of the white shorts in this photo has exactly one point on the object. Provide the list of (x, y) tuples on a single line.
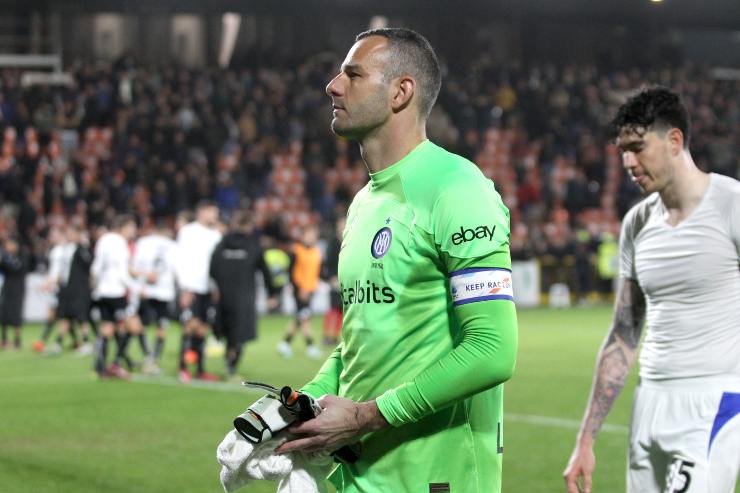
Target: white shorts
[(685, 436)]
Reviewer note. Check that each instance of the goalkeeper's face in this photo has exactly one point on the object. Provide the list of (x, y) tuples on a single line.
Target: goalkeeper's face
[(361, 94)]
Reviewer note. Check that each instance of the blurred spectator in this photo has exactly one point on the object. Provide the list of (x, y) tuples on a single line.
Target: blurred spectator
[(13, 267), (156, 140)]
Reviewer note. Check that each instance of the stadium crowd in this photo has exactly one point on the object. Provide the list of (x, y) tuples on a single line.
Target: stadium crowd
[(156, 141)]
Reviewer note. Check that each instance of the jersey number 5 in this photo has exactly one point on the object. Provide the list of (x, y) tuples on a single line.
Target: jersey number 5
[(679, 468)]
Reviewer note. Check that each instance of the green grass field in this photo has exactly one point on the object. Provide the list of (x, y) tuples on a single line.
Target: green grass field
[(61, 430)]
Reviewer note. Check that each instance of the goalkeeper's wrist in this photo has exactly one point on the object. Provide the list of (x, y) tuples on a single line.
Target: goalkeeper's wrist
[(369, 417)]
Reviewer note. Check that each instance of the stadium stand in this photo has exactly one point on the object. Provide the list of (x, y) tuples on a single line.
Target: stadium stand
[(155, 141)]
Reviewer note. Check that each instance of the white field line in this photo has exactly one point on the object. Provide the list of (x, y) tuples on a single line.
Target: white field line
[(560, 423), (510, 417)]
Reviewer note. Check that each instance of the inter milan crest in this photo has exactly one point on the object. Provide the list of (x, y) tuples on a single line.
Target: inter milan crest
[(381, 242)]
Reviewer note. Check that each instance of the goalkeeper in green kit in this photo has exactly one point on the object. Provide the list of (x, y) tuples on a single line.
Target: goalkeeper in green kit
[(430, 332)]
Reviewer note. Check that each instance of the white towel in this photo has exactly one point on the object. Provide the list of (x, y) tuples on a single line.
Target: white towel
[(242, 462)]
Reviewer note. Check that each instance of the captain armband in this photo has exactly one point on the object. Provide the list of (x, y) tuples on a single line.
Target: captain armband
[(480, 284)]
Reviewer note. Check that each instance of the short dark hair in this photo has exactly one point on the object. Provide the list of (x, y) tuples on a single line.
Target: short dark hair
[(161, 224), (656, 107), (122, 220), (241, 220), (412, 54), (205, 203)]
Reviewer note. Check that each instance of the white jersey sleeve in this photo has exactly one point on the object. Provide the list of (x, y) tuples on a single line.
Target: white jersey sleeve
[(179, 254), (55, 263), (632, 224), (627, 248), (67, 254), (98, 264), (733, 214)]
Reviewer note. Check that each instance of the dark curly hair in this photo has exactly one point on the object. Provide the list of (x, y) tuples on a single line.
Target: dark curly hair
[(653, 108)]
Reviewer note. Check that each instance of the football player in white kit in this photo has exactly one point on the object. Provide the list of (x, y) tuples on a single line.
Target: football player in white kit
[(195, 244), (154, 264), (112, 281), (679, 272)]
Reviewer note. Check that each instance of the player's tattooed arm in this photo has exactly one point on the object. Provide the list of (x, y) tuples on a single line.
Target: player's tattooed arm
[(615, 359), (617, 355)]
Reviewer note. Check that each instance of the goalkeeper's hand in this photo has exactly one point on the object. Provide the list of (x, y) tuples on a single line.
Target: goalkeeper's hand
[(341, 422)]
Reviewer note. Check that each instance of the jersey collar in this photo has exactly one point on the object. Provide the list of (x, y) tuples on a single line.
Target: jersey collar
[(381, 177)]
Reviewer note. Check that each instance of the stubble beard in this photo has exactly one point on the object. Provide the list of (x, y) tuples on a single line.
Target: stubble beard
[(366, 118)]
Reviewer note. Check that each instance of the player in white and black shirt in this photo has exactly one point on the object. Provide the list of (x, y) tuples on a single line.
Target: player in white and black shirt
[(154, 264), (112, 281), (195, 244)]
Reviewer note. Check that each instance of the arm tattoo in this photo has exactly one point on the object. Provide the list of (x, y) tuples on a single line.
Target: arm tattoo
[(617, 354)]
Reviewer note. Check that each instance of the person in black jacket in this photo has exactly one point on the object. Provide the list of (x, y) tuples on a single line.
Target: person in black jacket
[(14, 262), (75, 291), (234, 263)]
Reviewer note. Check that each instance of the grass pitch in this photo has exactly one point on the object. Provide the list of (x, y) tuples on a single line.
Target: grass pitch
[(61, 430)]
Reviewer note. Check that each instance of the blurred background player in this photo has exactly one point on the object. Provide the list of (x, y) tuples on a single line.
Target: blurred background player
[(278, 261), (74, 290), (59, 279), (305, 269), (57, 243), (195, 244), (14, 267), (679, 257), (329, 268), (131, 325), (235, 261), (181, 219), (112, 280), (154, 264)]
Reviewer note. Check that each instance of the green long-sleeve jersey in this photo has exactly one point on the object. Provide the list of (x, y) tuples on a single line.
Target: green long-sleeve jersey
[(429, 326)]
